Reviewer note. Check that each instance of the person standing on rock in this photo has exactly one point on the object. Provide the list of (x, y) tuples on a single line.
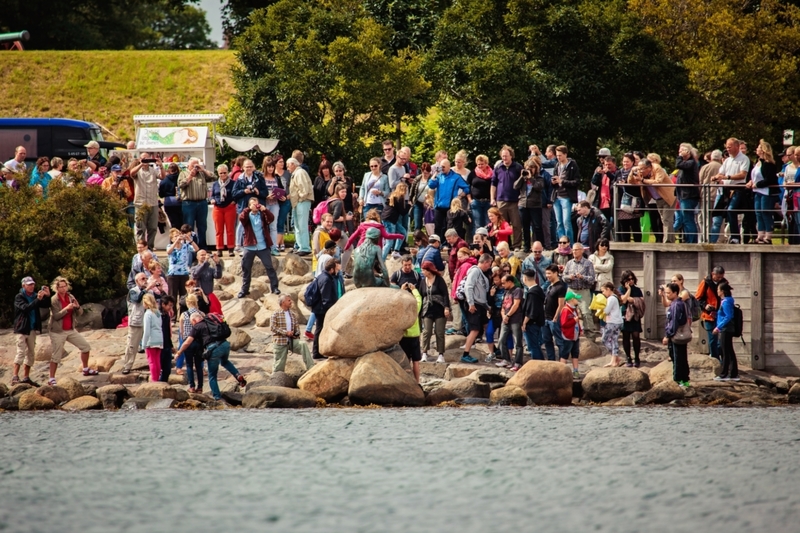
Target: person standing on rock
[(286, 336), (248, 185), (330, 289), (135, 318), (152, 336), (709, 299), (435, 310), (63, 309), (724, 329), (512, 315), (257, 243), (410, 341), (571, 331), (554, 302), (676, 317), (533, 315), (613, 322), (301, 194), (27, 323), (476, 291), (167, 313), (580, 278), (193, 359)]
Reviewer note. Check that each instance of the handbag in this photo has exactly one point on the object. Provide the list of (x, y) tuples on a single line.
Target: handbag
[(172, 201), (683, 335), (630, 203)]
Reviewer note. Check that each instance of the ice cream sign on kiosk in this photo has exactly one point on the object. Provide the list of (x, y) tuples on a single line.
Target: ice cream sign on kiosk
[(181, 142)]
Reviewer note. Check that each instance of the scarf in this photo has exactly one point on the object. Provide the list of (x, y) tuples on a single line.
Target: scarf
[(223, 191), (484, 174), (564, 251)]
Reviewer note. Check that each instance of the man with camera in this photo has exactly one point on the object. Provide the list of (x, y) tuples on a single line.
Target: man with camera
[(194, 197), (286, 335), (255, 221), (146, 173), (27, 324)]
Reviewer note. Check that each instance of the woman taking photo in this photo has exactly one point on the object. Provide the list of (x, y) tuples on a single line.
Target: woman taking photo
[(631, 298), (530, 185), (765, 191), (499, 229), (374, 188), (284, 179), (435, 310), (730, 367), (181, 255), (171, 196), (339, 178)]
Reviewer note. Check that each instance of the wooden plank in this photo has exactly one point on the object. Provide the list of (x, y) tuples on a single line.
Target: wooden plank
[(757, 359), (782, 316), (648, 284)]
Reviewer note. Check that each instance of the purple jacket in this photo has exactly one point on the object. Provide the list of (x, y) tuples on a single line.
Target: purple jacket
[(504, 179)]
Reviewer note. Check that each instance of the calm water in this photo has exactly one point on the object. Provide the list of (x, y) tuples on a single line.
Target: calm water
[(442, 470)]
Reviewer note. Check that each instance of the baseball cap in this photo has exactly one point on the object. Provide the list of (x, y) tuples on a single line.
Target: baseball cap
[(27, 280), (434, 237), (92, 144), (482, 231), (116, 168), (330, 245), (604, 152)]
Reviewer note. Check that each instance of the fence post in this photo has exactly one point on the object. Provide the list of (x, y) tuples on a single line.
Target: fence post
[(757, 359), (651, 294)]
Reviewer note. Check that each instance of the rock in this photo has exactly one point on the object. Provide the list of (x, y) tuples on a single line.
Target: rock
[(239, 312), (763, 382), (468, 388), (226, 279), (432, 384), (255, 384), (156, 389), (295, 369), (545, 382), (794, 393), (627, 401), (440, 395), (178, 379), (3, 390), (73, 387), (238, 339), (263, 317), (84, 403), (190, 404), (11, 403), (233, 398), (720, 397), (234, 266), (491, 375), (279, 397), (258, 289), (282, 379), (123, 379), (91, 317), (589, 349), (55, 393), (458, 370), (452, 342), (399, 357), (165, 403), (223, 296), (329, 379), (181, 395), (435, 370), (102, 364), (378, 379), (509, 396), (44, 349), (30, 401), (19, 388), (472, 401), (701, 368), (603, 384), (271, 302), (367, 320), (293, 281), (781, 386), (202, 398), (112, 396), (294, 265), (663, 392), (132, 404)]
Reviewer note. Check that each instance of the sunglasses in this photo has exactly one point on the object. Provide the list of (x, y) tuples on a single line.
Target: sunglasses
[(373, 166), (563, 242)]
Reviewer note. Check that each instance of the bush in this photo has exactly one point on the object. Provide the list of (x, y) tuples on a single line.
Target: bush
[(78, 232)]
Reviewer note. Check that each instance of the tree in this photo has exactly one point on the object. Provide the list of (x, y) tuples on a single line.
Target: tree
[(236, 15), (181, 28), (321, 76)]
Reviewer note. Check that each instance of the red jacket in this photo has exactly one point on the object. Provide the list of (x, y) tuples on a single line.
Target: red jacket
[(570, 326), (249, 234), (452, 261)]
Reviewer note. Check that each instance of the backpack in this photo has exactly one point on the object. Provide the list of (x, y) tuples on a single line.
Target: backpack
[(218, 329), (738, 323), (320, 210), (693, 308), (312, 296), (112, 317)]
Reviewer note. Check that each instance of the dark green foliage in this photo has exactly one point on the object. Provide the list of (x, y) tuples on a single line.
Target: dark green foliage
[(80, 233)]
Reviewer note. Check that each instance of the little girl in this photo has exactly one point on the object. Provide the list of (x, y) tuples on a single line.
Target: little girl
[(430, 213), (152, 337), (613, 322), (458, 218)]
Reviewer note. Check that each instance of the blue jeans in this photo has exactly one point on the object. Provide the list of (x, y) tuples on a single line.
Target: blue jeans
[(300, 216), (765, 209), (283, 215), (713, 340), (419, 214), (273, 228), (551, 337), (733, 214), (392, 244), (312, 319), (219, 355), (369, 207), (480, 214), (685, 219), (196, 212), (563, 210), (533, 338), (716, 227)]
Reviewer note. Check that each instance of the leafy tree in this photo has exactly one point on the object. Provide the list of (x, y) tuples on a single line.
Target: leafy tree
[(181, 28), (413, 21), (236, 15), (320, 75)]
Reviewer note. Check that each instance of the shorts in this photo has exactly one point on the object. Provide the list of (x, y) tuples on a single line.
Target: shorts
[(571, 348), (410, 346), (477, 320), (71, 336)]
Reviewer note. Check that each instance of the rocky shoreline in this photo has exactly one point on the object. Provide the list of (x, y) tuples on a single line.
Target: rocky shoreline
[(367, 371)]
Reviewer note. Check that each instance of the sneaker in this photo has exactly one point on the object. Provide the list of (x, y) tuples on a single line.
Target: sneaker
[(502, 363), (276, 291), (733, 241), (51, 382), (242, 294), (30, 382), (490, 358), (282, 248), (684, 384), (309, 335), (462, 347), (440, 359), (468, 359), (450, 331), (629, 364), (231, 253), (720, 378), (275, 252), (514, 368), (637, 364), (303, 254), (424, 358), (126, 371), (241, 380)]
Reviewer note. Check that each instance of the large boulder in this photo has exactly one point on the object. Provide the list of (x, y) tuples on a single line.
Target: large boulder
[(701, 368), (10, 403), (367, 320), (84, 403), (294, 265), (329, 379), (102, 363), (157, 389), (440, 396), (19, 389), (378, 379), (458, 370), (545, 382), (603, 384), (91, 317), (509, 396), (239, 312), (3, 390), (590, 349), (468, 388), (280, 397), (238, 339), (113, 396), (55, 393), (491, 375), (30, 401), (73, 387), (282, 379), (295, 281), (44, 349), (794, 393), (663, 392), (263, 317)]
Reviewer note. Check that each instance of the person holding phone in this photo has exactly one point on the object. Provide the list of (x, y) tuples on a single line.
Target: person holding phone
[(255, 223)]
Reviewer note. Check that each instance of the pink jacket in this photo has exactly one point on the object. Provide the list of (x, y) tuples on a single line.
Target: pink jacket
[(362, 229), (461, 273)]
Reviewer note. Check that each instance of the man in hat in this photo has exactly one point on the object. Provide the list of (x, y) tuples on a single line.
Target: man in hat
[(432, 253), (571, 331), (94, 159), (27, 323)]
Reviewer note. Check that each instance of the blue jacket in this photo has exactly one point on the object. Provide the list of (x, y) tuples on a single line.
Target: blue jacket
[(725, 313), (504, 179), (331, 289), (432, 254), (676, 317), (446, 187), (530, 264), (216, 191), (152, 335), (260, 191)]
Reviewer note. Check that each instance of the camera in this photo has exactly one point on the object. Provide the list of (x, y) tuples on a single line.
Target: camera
[(44, 287), (148, 160), (526, 173)]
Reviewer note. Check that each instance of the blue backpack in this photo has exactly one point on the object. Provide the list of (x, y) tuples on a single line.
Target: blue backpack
[(311, 295)]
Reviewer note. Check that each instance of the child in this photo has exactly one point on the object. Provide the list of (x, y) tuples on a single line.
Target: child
[(152, 338), (571, 331), (613, 322), (458, 218), (430, 213), (167, 313)]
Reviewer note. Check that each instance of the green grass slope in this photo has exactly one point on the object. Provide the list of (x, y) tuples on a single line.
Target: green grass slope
[(109, 87)]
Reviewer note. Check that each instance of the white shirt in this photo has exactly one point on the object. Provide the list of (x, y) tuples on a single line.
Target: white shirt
[(14, 165), (289, 325), (612, 311), (757, 176), (734, 165)]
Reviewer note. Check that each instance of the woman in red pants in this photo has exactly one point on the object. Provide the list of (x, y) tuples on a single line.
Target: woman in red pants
[(224, 210)]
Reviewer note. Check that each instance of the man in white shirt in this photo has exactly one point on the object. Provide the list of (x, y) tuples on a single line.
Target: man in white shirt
[(17, 164), (734, 171)]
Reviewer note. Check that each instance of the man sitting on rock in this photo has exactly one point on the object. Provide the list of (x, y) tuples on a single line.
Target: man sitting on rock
[(369, 270), (286, 335)]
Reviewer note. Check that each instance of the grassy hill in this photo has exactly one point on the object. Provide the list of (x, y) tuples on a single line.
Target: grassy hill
[(109, 87)]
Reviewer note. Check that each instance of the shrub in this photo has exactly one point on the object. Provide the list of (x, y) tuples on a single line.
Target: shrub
[(78, 232)]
